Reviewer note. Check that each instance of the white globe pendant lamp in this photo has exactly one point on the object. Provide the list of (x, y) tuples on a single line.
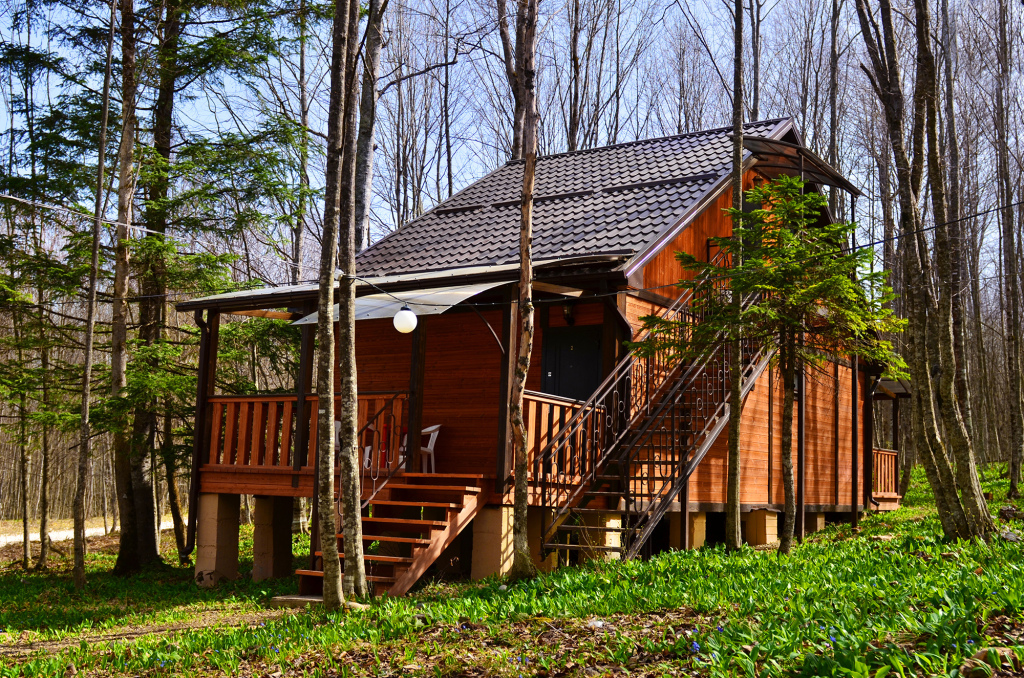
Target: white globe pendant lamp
[(405, 320)]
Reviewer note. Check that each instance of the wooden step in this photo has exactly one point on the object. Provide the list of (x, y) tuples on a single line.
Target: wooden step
[(578, 547), (440, 476), (370, 578), (418, 504), (403, 523), (593, 528), (397, 540), (374, 557), (436, 488)]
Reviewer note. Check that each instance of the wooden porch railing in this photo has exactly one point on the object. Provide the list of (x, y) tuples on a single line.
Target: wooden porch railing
[(259, 431), (546, 415), (886, 475)]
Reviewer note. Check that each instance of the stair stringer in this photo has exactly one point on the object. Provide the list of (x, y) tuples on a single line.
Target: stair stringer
[(423, 557)]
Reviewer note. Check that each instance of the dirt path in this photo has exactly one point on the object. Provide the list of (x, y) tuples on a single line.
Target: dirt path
[(24, 646), (64, 535)]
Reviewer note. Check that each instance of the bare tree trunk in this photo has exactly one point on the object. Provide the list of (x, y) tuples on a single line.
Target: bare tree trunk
[(1011, 258), (368, 121), (510, 59), (299, 227), (44, 485), (787, 365), (833, 101), (733, 535), (334, 596), (173, 497), (526, 48), (351, 469), (25, 459), (922, 352), (127, 556), (756, 9), (948, 265)]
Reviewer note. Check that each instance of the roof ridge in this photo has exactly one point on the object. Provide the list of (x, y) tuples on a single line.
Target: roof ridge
[(635, 142)]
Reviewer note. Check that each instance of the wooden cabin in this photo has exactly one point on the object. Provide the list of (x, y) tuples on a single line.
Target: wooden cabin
[(627, 455)]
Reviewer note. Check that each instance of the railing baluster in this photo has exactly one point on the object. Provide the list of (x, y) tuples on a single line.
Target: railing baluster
[(229, 434), (213, 456)]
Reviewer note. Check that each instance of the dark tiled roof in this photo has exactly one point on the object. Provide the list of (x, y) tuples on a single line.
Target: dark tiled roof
[(610, 200)]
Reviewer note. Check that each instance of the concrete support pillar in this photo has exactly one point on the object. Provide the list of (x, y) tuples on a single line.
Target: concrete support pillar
[(272, 538), (492, 541), (814, 522), (601, 538), (698, 529), (533, 528), (217, 538), (762, 527)]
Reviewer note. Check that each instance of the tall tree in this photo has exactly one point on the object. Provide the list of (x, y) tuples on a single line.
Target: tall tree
[(1011, 257), (525, 83), (338, 214), (129, 556), (84, 431), (733, 537)]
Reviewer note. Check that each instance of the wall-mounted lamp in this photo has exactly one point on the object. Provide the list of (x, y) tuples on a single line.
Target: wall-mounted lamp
[(405, 320), (567, 313)]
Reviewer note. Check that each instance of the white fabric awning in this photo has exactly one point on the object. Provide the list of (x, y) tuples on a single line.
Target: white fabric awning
[(421, 302)]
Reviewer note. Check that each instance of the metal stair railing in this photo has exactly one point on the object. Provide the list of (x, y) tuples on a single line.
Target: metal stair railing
[(650, 488), (567, 466)]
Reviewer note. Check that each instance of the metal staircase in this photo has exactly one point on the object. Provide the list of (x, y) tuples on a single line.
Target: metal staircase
[(631, 448)]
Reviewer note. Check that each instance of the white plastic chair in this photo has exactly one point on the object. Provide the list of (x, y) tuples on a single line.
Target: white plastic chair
[(427, 452)]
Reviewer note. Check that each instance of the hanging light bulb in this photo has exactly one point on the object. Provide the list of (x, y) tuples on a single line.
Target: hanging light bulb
[(405, 320)]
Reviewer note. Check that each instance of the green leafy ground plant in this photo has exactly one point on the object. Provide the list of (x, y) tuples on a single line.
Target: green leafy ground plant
[(889, 599)]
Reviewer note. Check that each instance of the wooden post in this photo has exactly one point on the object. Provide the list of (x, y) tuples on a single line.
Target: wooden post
[(302, 381), (896, 438), (868, 436), (417, 372), (835, 426), (855, 494), (302, 426), (509, 328), (209, 333), (801, 457), (896, 424)]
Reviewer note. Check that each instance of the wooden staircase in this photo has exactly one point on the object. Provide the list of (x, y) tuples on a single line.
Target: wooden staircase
[(407, 525)]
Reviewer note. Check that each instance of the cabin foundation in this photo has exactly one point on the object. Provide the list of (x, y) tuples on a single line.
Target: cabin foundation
[(272, 538), (814, 522), (492, 542), (534, 531), (602, 541), (697, 529), (761, 527), (217, 538)]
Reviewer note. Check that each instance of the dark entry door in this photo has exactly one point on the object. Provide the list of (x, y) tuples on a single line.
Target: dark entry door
[(571, 361)]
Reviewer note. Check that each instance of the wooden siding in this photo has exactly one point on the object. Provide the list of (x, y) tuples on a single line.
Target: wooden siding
[(713, 222), (760, 440)]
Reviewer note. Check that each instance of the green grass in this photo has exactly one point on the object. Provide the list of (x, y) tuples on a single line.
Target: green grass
[(842, 604)]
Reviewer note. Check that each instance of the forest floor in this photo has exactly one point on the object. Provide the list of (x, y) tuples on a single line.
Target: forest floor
[(890, 598)]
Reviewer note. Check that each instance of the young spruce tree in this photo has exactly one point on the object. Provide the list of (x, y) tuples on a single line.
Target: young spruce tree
[(805, 296)]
